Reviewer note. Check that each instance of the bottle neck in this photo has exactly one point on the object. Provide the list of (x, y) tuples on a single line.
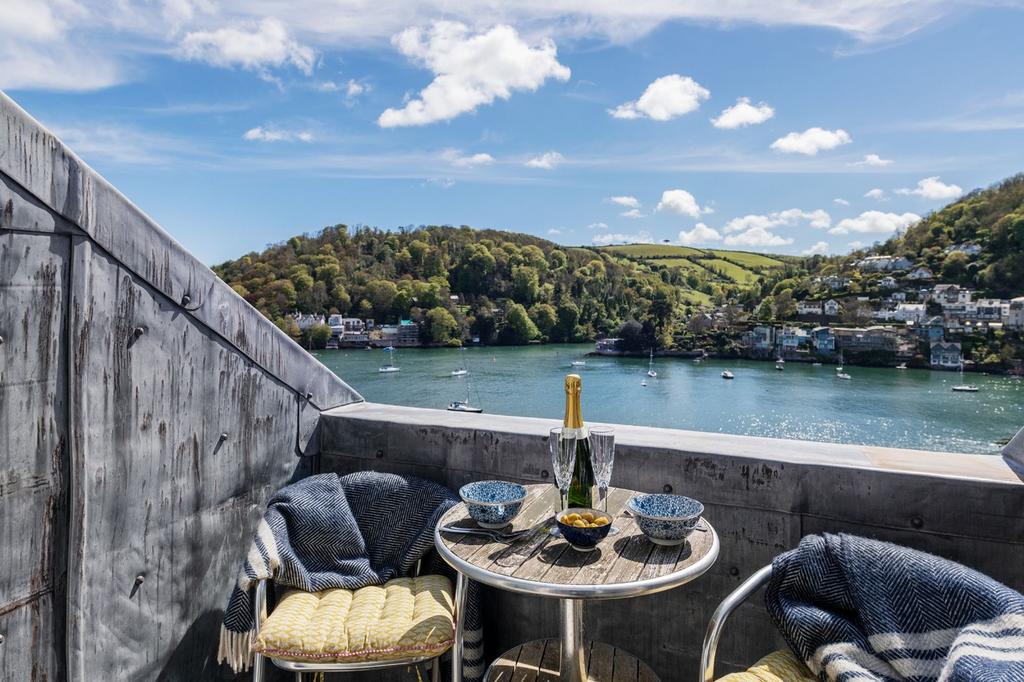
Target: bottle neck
[(573, 411)]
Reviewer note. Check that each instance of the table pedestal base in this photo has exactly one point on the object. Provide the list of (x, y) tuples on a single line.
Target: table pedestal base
[(539, 660)]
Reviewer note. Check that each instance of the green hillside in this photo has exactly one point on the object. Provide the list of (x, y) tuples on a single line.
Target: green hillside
[(504, 287), (728, 268), (992, 219)]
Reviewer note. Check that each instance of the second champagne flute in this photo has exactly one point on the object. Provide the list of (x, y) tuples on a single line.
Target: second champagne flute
[(602, 455)]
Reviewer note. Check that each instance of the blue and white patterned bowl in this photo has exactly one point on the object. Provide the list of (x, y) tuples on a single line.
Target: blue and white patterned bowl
[(493, 504), (666, 519)]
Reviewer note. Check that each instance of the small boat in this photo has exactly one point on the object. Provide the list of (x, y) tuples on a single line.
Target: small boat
[(390, 367), (815, 364), (962, 387), (780, 364), (726, 374), (650, 367), (843, 375), (902, 365), (461, 371), (578, 363), (643, 382), (463, 406)]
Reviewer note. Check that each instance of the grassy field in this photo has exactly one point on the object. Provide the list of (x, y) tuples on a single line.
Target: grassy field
[(747, 259), (695, 297), (642, 251), (684, 263), (736, 273)]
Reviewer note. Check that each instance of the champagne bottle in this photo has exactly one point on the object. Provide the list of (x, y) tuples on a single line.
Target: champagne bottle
[(581, 490)]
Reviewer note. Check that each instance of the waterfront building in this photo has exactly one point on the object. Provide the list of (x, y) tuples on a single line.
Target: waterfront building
[(408, 333), (307, 320), (809, 308), (946, 354), (608, 346), (791, 339), (858, 340), (933, 330), (884, 263), (966, 249), (920, 274), (1015, 314), (823, 340)]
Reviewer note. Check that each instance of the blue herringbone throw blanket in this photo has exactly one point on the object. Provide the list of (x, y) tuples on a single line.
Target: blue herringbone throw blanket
[(859, 609), (352, 531)]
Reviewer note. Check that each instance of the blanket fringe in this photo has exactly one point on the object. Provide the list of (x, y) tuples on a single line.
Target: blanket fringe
[(235, 649)]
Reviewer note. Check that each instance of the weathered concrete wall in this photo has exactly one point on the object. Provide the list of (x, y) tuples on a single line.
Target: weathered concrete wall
[(761, 494), (146, 414)]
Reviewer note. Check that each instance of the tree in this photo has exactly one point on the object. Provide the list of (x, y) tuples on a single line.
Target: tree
[(568, 317), (381, 294), (289, 326), (441, 326), (475, 268), (632, 334), (545, 317), (319, 335), (519, 328), (525, 284), (954, 267)]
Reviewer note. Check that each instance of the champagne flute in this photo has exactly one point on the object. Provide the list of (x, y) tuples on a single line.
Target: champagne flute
[(563, 461), (602, 456)]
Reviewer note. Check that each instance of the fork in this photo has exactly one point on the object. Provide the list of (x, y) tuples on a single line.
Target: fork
[(487, 532)]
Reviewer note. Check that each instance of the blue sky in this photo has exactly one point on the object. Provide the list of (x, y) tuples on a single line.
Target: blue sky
[(237, 124)]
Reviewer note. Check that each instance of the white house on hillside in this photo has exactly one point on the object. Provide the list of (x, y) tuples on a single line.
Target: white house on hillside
[(808, 307), (831, 307), (920, 274)]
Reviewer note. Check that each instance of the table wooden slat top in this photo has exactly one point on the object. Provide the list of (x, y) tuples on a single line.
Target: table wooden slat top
[(623, 565), (539, 661)]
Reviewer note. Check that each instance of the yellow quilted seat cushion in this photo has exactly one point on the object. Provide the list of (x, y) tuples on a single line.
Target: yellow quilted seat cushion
[(778, 666), (404, 618)]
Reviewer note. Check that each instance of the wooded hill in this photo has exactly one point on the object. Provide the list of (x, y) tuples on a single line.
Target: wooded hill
[(992, 219), (504, 287)]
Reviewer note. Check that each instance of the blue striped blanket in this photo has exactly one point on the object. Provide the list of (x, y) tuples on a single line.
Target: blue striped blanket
[(859, 609), (327, 531)]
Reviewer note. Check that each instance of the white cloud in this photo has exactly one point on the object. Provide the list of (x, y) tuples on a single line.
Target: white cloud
[(619, 238), (627, 201), (875, 222), (597, 226), (700, 234), (873, 160), (554, 231), (547, 160), (757, 236), (270, 134), (856, 244), (664, 99), (811, 141), (816, 249), (818, 219), (470, 69), (443, 183), (457, 159), (354, 88), (327, 86), (840, 201), (632, 213), (933, 188), (877, 193), (679, 201), (255, 47), (743, 113)]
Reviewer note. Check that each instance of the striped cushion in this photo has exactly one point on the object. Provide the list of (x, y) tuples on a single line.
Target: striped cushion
[(404, 618), (778, 666)]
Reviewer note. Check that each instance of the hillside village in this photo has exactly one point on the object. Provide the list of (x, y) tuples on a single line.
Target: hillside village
[(947, 293)]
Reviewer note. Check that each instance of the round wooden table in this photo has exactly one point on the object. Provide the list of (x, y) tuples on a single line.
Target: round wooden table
[(623, 565)]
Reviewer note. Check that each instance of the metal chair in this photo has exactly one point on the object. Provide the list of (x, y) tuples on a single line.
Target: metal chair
[(300, 667), (721, 614)]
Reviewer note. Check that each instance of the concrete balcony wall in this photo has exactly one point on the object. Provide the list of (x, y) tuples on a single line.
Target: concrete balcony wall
[(147, 412), (761, 494)]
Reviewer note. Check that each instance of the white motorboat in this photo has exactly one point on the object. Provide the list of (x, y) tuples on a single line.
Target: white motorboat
[(780, 364), (815, 364), (650, 367), (844, 376), (461, 371), (463, 406), (391, 366), (726, 374), (578, 363), (643, 382), (902, 365)]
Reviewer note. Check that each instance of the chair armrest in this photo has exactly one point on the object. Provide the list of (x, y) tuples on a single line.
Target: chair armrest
[(259, 605), (721, 614)]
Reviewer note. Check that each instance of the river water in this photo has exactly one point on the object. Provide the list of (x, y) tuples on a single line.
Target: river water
[(886, 407)]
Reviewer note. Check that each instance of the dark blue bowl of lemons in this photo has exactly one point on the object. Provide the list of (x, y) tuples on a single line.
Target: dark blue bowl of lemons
[(584, 528)]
